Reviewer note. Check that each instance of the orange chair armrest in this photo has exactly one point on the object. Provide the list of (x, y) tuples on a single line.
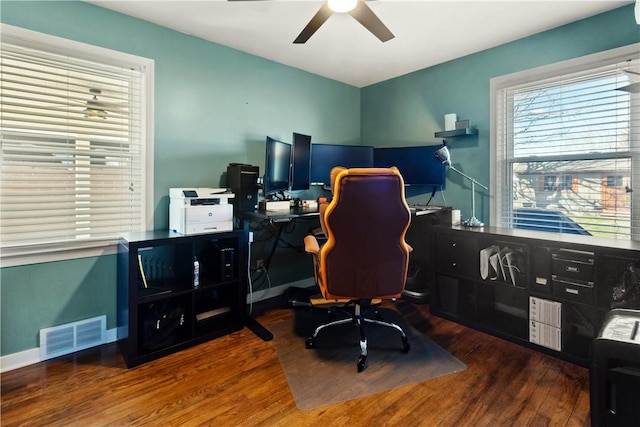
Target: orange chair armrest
[(311, 245)]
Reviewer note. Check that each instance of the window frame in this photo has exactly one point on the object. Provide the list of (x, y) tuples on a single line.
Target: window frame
[(499, 178), (58, 45)]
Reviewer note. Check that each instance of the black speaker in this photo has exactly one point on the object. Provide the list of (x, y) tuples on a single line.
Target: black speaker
[(242, 179)]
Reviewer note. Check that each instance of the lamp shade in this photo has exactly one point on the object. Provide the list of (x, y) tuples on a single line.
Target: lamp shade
[(342, 6), (443, 155)]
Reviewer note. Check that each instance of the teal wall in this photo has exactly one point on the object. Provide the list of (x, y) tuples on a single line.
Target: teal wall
[(214, 105), (408, 110)]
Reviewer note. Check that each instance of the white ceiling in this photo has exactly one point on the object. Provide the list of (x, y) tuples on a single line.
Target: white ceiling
[(427, 32)]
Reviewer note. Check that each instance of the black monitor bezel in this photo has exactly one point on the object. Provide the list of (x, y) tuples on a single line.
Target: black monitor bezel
[(300, 162), (271, 185)]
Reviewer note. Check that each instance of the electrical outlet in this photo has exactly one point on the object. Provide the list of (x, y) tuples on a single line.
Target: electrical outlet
[(259, 263)]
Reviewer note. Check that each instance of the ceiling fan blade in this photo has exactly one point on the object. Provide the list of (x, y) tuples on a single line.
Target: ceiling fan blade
[(371, 22), (318, 19), (631, 88)]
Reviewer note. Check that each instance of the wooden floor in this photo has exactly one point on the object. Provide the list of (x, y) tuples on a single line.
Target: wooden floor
[(237, 381)]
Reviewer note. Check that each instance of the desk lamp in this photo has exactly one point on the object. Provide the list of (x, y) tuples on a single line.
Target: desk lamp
[(443, 155)]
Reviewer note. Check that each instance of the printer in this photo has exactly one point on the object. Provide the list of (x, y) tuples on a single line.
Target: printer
[(200, 210)]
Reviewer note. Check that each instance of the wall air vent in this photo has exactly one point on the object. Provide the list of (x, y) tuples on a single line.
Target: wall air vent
[(71, 337)]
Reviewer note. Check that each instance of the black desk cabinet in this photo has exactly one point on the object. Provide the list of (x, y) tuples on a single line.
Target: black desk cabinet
[(551, 292), (420, 237), (162, 306)]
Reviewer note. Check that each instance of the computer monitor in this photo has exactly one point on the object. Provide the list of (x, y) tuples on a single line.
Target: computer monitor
[(277, 166), (325, 157), (417, 165), (301, 162)]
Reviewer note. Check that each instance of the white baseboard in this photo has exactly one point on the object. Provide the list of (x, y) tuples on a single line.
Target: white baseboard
[(32, 356), (20, 359)]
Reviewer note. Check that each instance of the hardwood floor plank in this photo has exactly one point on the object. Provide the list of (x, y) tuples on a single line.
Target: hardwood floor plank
[(237, 380)]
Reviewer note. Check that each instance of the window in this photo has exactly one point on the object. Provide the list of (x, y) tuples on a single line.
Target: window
[(76, 153), (564, 143), (550, 183), (614, 181), (566, 183)]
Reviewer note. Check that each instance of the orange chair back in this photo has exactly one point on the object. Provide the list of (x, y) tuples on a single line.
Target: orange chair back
[(365, 255)]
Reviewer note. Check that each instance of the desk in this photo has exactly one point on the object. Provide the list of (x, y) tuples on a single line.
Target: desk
[(275, 223), (420, 236), (277, 216)]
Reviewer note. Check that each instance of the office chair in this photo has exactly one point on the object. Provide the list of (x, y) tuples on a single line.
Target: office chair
[(365, 256)]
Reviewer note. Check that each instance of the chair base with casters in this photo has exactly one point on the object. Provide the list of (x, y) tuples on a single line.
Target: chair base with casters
[(358, 319)]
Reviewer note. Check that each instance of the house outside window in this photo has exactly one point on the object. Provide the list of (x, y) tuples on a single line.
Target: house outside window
[(565, 145), (76, 152)]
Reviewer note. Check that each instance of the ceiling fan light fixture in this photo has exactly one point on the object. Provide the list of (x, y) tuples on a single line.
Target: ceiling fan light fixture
[(342, 6), (93, 110), (95, 114)]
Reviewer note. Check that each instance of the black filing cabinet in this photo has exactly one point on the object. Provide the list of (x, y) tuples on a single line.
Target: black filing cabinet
[(615, 371)]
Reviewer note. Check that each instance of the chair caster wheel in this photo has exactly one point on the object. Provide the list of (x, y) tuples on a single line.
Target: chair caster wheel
[(362, 363), (310, 342), (405, 345)]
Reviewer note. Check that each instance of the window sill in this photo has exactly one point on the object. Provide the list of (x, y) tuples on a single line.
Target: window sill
[(43, 256)]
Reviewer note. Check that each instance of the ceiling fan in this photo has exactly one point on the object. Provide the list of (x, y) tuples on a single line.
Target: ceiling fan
[(356, 8), (96, 108), (92, 105)]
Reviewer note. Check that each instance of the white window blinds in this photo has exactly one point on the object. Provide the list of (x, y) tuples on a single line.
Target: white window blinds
[(72, 128), (566, 150)]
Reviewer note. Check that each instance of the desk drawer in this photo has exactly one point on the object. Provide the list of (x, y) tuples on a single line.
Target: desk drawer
[(456, 255), (575, 266), (573, 290)]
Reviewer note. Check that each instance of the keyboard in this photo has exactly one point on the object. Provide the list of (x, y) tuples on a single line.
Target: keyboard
[(424, 208)]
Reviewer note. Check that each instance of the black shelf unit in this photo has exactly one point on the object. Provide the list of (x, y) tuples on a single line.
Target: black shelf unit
[(573, 276), (456, 132), (160, 311)]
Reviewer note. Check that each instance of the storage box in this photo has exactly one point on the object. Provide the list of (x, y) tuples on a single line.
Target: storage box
[(462, 124), (545, 311), (572, 265), (545, 335)]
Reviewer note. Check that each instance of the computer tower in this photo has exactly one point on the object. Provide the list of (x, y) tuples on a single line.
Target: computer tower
[(227, 268), (242, 179)]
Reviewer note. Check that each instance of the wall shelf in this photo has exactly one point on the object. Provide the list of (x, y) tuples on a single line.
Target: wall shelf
[(456, 132)]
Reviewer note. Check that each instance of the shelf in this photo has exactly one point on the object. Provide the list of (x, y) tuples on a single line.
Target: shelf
[(564, 318), (456, 132), (169, 314)]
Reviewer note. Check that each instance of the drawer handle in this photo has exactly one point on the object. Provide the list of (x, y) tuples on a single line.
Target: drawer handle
[(453, 264), (573, 261), (454, 245), (572, 291), (571, 282)]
